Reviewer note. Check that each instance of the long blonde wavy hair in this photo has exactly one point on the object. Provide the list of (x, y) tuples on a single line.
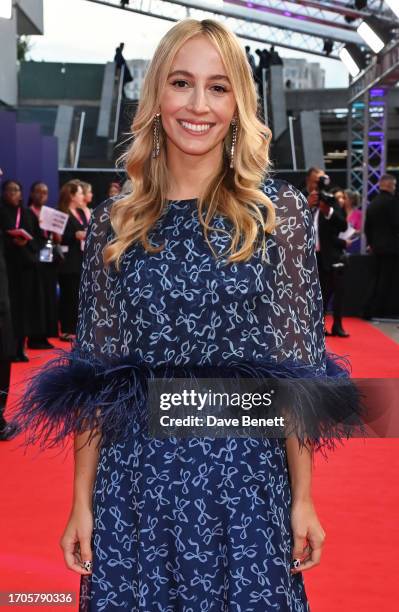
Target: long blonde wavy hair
[(232, 192)]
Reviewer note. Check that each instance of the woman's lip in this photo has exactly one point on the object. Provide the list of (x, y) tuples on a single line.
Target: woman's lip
[(196, 122)]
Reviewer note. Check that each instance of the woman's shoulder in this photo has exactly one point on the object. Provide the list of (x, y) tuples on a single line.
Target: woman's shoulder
[(100, 220), (288, 200)]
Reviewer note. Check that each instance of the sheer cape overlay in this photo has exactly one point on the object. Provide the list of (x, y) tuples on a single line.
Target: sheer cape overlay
[(183, 313)]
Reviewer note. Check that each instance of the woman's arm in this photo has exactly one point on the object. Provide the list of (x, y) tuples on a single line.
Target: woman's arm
[(86, 459), (300, 469), (76, 540), (308, 534)]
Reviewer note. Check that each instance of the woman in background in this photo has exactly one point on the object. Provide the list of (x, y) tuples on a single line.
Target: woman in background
[(71, 201), (7, 341), (353, 218), (87, 199), (38, 198), (22, 259)]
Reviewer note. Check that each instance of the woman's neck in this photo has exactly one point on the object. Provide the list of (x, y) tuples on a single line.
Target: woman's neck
[(190, 174)]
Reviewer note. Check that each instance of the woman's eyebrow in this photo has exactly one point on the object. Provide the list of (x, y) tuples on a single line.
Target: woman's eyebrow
[(213, 77)]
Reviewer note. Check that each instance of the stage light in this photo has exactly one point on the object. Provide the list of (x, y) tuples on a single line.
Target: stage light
[(352, 57), (373, 33), (6, 9), (394, 6)]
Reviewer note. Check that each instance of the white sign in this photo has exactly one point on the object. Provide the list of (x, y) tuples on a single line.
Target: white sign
[(53, 220)]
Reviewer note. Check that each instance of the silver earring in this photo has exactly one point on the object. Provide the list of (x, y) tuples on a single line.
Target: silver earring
[(234, 123), (156, 129)]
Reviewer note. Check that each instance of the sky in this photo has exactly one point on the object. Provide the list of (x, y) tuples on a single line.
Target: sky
[(80, 31)]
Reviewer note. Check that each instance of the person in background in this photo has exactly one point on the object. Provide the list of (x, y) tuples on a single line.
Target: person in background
[(339, 195), (87, 199), (7, 343), (251, 59), (351, 206), (71, 201), (38, 198), (120, 62), (328, 221), (382, 233), (22, 259), (114, 189)]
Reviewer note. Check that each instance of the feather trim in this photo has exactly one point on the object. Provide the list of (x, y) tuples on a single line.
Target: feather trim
[(75, 392)]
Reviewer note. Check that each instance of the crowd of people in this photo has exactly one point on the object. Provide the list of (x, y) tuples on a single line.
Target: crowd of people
[(39, 271)]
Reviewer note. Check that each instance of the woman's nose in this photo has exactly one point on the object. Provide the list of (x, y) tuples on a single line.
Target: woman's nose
[(198, 100)]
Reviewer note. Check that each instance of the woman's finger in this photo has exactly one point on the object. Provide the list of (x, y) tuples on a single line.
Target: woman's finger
[(312, 561), (86, 552), (71, 557)]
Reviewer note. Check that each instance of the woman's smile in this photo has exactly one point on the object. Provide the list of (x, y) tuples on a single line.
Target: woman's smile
[(195, 128)]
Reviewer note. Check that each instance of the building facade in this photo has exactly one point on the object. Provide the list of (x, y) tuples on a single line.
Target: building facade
[(301, 74), (27, 18)]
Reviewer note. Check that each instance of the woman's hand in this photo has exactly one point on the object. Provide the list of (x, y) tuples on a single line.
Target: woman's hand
[(76, 540), (80, 235), (308, 535)]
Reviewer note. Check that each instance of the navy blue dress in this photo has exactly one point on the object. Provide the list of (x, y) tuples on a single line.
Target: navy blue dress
[(194, 524)]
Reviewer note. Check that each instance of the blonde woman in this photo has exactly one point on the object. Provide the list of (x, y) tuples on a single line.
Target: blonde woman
[(205, 270)]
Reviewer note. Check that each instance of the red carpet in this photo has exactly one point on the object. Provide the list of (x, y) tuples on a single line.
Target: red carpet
[(355, 492)]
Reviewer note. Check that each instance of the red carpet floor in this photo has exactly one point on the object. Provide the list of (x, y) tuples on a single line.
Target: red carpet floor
[(355, 491)]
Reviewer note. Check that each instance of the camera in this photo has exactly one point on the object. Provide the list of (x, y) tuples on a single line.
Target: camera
[(322, 188)]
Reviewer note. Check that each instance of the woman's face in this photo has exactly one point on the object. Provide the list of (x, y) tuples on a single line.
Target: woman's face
[(77, 199), (12, 194), (113, 190), (39, 195), (88, 195), (347, 201), (340, 198), (197, 104)]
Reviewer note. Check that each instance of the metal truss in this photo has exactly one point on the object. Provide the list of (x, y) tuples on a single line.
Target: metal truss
[(303, 25), (383, 71), (367, 132), (355, 146)]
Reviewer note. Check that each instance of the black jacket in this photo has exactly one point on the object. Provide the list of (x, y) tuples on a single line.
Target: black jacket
[(382, 224), (332, 247), (73, 261)]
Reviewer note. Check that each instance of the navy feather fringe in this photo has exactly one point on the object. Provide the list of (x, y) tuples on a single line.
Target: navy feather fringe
[(75, 392)]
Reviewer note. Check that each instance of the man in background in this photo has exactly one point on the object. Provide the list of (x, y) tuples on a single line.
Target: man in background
[(382, 234)]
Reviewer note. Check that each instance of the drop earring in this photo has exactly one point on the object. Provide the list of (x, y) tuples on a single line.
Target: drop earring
[(156, 129), (234, 123)]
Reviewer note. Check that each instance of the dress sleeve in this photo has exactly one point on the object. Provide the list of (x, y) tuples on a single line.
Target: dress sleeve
[(324, 406), (90, 387)]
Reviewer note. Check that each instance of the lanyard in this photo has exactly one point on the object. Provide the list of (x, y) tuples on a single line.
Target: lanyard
[(75, 214), (87, 214), (18, 221)]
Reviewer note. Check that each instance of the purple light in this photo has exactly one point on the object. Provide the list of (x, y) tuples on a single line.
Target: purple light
[(287, 13), (250, 5), (377, 92)]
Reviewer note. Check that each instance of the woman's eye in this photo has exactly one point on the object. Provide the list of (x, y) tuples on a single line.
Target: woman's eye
[(219, 88), (179, 84)]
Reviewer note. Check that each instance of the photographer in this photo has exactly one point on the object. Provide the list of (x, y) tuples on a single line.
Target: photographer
[(329, 221)]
